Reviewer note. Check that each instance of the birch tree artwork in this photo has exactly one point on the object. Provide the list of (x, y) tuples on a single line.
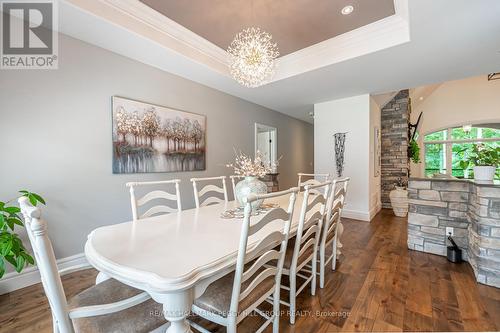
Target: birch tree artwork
[(150, 138)]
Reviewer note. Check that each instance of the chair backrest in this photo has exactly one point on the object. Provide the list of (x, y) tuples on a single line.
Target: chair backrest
[(310, 220), (46, 261), (202, 197), (154, 195), (334, 208), (234, 180), (264, 251), (312, 179)]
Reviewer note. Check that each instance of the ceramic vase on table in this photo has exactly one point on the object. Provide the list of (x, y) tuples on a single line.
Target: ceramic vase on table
[(399, 201), (248, 186)]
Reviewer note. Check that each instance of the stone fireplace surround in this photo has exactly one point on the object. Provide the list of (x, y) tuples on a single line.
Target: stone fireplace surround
[(471, 208)]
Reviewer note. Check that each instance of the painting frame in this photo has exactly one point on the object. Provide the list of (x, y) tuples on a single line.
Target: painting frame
[(189, 157)]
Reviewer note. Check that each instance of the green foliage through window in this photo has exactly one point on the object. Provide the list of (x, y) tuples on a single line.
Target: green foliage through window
[(463, 146)]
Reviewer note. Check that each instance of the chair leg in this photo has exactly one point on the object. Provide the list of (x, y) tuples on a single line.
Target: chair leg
[(322, 268), (334, 258), (231, 326), (293, 290), (55, 329), (313, 281), (276, 309)]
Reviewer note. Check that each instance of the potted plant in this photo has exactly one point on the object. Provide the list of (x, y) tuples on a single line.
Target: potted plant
[(12, 249), (399, 198), (484, 159), (414, 151)]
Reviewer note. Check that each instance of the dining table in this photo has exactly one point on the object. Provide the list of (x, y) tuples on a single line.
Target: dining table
[(174, 257)]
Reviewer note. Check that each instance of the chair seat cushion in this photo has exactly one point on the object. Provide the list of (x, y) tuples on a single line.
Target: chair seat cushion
[(143, 317), (217, 297)]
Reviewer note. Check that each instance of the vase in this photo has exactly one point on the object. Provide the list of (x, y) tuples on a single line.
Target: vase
[(399, 201), (484, 173), (248, 186)]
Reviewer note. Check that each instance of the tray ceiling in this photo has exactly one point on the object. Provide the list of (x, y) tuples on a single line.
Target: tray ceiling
[(294, 24)]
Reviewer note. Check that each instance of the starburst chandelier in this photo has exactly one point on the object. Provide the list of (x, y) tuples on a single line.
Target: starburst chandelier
[(253, 55)]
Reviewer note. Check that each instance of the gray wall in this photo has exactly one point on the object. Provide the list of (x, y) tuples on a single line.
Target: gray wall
[(55, 130)]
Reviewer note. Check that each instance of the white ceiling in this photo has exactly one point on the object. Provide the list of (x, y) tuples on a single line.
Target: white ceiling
[(448, 39), (294, 24)]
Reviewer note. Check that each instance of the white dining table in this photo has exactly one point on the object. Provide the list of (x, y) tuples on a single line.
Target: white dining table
[(174, 257)]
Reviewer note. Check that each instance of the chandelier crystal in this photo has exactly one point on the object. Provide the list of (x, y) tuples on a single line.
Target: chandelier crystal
[(253, 55)]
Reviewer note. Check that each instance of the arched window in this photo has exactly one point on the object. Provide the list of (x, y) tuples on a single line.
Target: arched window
[(446, 148)]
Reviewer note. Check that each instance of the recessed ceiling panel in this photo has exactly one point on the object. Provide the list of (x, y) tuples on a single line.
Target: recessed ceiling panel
[(294, 24)]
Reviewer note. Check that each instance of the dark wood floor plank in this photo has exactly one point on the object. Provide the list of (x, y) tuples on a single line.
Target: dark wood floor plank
[(379, 285)]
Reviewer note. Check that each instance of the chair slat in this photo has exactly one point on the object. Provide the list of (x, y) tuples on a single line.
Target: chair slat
[(156, 195), (318, 199), (274, 214), (210, 188), (312, 230), (211, 200), (263, 259), (268, 272), (270, 241), (307, 245), (158, 210)]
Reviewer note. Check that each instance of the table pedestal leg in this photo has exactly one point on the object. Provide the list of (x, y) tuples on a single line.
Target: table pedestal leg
[(176, 308)]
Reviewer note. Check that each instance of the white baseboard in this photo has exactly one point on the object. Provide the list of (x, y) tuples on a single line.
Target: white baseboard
[(374, 211), (30, 276), (361, 215), (356, 215)]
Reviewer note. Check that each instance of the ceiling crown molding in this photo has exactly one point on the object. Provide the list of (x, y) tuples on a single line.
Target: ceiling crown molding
[(142, 20), (379, 35)]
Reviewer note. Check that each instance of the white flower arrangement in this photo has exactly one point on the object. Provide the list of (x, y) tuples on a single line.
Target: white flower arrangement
[(245, 166)]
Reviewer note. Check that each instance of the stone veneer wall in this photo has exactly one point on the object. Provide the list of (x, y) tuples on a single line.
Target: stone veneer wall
[(484, 234), (394, 134), (473, 210)]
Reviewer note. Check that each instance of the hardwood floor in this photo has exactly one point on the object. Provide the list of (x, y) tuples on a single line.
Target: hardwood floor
[(379, 285)]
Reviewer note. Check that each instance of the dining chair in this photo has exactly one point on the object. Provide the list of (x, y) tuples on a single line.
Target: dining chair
[(302, 249), (108, 306), (329, 233), (234, 180), (313, 179), (202, 197), (154, 195), (259, 264)]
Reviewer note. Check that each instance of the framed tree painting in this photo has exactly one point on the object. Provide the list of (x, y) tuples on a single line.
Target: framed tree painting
[(151, 138)]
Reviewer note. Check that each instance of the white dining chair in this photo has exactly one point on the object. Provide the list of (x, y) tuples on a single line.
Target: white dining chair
[(208, 194), (109, 306), (302, 249), (312, 179), (329, 234), (234, 180), (230, 299), (154, 195)]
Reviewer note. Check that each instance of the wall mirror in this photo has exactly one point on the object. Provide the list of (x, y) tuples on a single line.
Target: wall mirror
[(266, 142)]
